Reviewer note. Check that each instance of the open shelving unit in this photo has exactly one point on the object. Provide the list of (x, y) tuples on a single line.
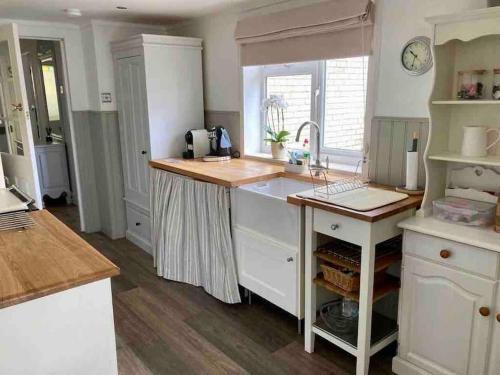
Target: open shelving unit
[(458, 50)]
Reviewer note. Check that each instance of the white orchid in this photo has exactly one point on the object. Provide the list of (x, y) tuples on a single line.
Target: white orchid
[(274, 106)]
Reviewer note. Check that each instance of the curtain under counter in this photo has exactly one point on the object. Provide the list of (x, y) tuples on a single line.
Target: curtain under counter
[(191, 234)]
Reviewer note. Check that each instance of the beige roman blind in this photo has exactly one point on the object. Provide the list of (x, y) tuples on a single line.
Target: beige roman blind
[(326, 30)]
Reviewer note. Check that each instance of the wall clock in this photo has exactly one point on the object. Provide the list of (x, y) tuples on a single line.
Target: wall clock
[(416, 56)]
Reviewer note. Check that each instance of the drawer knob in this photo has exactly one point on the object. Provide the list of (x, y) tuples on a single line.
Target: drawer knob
[(335, 226), (289, 259), (445, 254), (498, 318), (144, 152), (484, 311), (137, 224)]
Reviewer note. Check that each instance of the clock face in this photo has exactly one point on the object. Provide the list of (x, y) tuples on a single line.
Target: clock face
[(416, 57)]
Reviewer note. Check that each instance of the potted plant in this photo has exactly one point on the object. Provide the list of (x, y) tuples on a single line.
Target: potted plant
[(275, 106)]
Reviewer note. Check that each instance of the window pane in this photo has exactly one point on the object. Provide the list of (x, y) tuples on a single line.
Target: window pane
[(49, 81), (296, 90), (345, 103)]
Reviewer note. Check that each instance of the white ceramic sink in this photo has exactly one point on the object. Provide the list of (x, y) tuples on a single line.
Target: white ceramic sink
[(262, 208), (278, 187)]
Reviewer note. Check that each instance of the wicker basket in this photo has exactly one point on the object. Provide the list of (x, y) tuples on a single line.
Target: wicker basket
[(348, 281)]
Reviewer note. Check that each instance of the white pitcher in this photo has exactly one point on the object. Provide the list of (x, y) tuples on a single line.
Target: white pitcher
[(475, 143)]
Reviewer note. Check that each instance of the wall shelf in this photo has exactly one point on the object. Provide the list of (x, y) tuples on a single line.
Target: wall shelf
[(457, 158), (466, 102)]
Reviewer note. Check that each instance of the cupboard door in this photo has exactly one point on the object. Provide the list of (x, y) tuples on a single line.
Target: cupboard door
[(443, 328), (494, 362), (134, 133), (267, 268)]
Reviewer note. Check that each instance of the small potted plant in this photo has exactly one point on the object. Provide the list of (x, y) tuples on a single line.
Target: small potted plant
[(275, 106)]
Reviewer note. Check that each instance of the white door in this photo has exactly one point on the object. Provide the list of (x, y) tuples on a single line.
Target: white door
[(442, 329), (134, 133), (18, 159)]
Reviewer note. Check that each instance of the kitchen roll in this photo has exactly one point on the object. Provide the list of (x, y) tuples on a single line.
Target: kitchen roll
[(411, 170), (201, 144)]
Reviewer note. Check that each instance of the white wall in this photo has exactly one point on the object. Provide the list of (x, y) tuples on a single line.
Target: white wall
[(97, 37), (397, 94)]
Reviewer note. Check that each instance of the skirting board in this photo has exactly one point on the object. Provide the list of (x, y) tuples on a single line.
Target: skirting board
[(142, 243), (402, 367)]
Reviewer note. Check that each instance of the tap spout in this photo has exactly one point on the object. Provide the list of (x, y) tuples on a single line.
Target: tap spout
[(318, 138)]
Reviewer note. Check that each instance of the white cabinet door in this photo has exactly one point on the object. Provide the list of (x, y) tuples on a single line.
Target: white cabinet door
[(494, 363), (134, 133), (441, 328), (267, 268)]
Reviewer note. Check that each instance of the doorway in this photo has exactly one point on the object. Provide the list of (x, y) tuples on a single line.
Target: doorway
[(50, 126)]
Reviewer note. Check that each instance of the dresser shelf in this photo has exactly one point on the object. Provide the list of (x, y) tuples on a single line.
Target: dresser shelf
[(457, 158), (485, 238), (467, 102)]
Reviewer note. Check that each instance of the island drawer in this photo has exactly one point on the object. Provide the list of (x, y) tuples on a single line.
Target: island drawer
[(454, 254), (339, 226)]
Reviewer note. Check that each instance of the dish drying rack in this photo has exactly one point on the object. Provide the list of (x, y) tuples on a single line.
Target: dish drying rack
[(328, 188)]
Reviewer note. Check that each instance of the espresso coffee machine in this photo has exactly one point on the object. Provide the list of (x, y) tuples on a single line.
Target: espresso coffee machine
[(197, 144)]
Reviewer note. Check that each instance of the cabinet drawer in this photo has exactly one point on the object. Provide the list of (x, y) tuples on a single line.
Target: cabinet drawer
[(138, 224), (455, 254), (338, 226)]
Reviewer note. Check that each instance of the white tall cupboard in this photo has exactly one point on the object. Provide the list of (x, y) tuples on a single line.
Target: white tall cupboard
[(159, 90)]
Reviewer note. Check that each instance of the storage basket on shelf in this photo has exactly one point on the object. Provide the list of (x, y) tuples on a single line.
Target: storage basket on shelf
[(342, 262)]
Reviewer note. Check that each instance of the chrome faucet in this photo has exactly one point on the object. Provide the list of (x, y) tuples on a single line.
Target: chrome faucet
[(318, 139)]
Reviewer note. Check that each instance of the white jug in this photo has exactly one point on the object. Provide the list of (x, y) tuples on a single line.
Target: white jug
[(475, 143)]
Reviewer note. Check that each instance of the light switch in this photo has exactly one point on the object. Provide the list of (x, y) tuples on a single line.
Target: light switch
[(106, 97)]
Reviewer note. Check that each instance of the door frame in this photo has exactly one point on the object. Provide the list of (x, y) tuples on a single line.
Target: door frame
[(71, 123)]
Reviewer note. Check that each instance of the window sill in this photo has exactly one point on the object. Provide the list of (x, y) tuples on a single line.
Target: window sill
[(349, 168)]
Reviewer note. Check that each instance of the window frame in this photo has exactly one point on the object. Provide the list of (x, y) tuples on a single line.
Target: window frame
[(317, 70)]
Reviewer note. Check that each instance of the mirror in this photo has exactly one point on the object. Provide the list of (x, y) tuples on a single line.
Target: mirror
[(10, 107)]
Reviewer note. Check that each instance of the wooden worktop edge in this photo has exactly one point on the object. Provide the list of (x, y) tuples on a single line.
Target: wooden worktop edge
[(109, 271)]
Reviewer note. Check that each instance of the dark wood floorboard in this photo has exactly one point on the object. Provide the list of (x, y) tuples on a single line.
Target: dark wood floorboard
[(165, 327)]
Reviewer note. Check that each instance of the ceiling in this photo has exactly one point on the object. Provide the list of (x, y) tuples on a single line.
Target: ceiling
[(148, 11)]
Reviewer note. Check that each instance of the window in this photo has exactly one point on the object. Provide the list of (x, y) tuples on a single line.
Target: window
[(331, 93)]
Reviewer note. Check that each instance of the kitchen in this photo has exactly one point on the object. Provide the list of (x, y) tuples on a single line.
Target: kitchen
[(263, 233)]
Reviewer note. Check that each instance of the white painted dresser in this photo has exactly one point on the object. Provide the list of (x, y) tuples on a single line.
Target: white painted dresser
[(160, 97), (449, 312)]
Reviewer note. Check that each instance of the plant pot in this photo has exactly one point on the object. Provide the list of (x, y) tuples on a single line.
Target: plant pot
[(278, 150)]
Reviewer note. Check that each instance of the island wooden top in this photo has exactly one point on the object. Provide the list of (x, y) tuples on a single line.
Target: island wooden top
[(45, 259), (370, 216)]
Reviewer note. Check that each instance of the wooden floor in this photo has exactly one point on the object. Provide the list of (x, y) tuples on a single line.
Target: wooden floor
[(164, 327)]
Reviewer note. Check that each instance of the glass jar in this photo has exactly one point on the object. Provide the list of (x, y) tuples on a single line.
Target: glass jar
[(496, 84), (470, 84)]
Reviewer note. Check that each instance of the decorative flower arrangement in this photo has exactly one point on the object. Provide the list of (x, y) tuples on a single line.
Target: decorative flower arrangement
[(275, 106)]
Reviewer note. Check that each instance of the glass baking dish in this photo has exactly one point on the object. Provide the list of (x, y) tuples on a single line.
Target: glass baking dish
[(464, 211)]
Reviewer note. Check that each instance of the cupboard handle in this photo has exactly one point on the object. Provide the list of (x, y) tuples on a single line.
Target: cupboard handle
[(335, 226), (445, 254), (144, 152), (289, 259), (484, 311), (137, 224), (498, 318)]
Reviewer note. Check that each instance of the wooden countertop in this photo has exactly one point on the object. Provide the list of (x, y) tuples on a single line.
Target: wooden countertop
[(46, 259), (237, 172), (232, 173)]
